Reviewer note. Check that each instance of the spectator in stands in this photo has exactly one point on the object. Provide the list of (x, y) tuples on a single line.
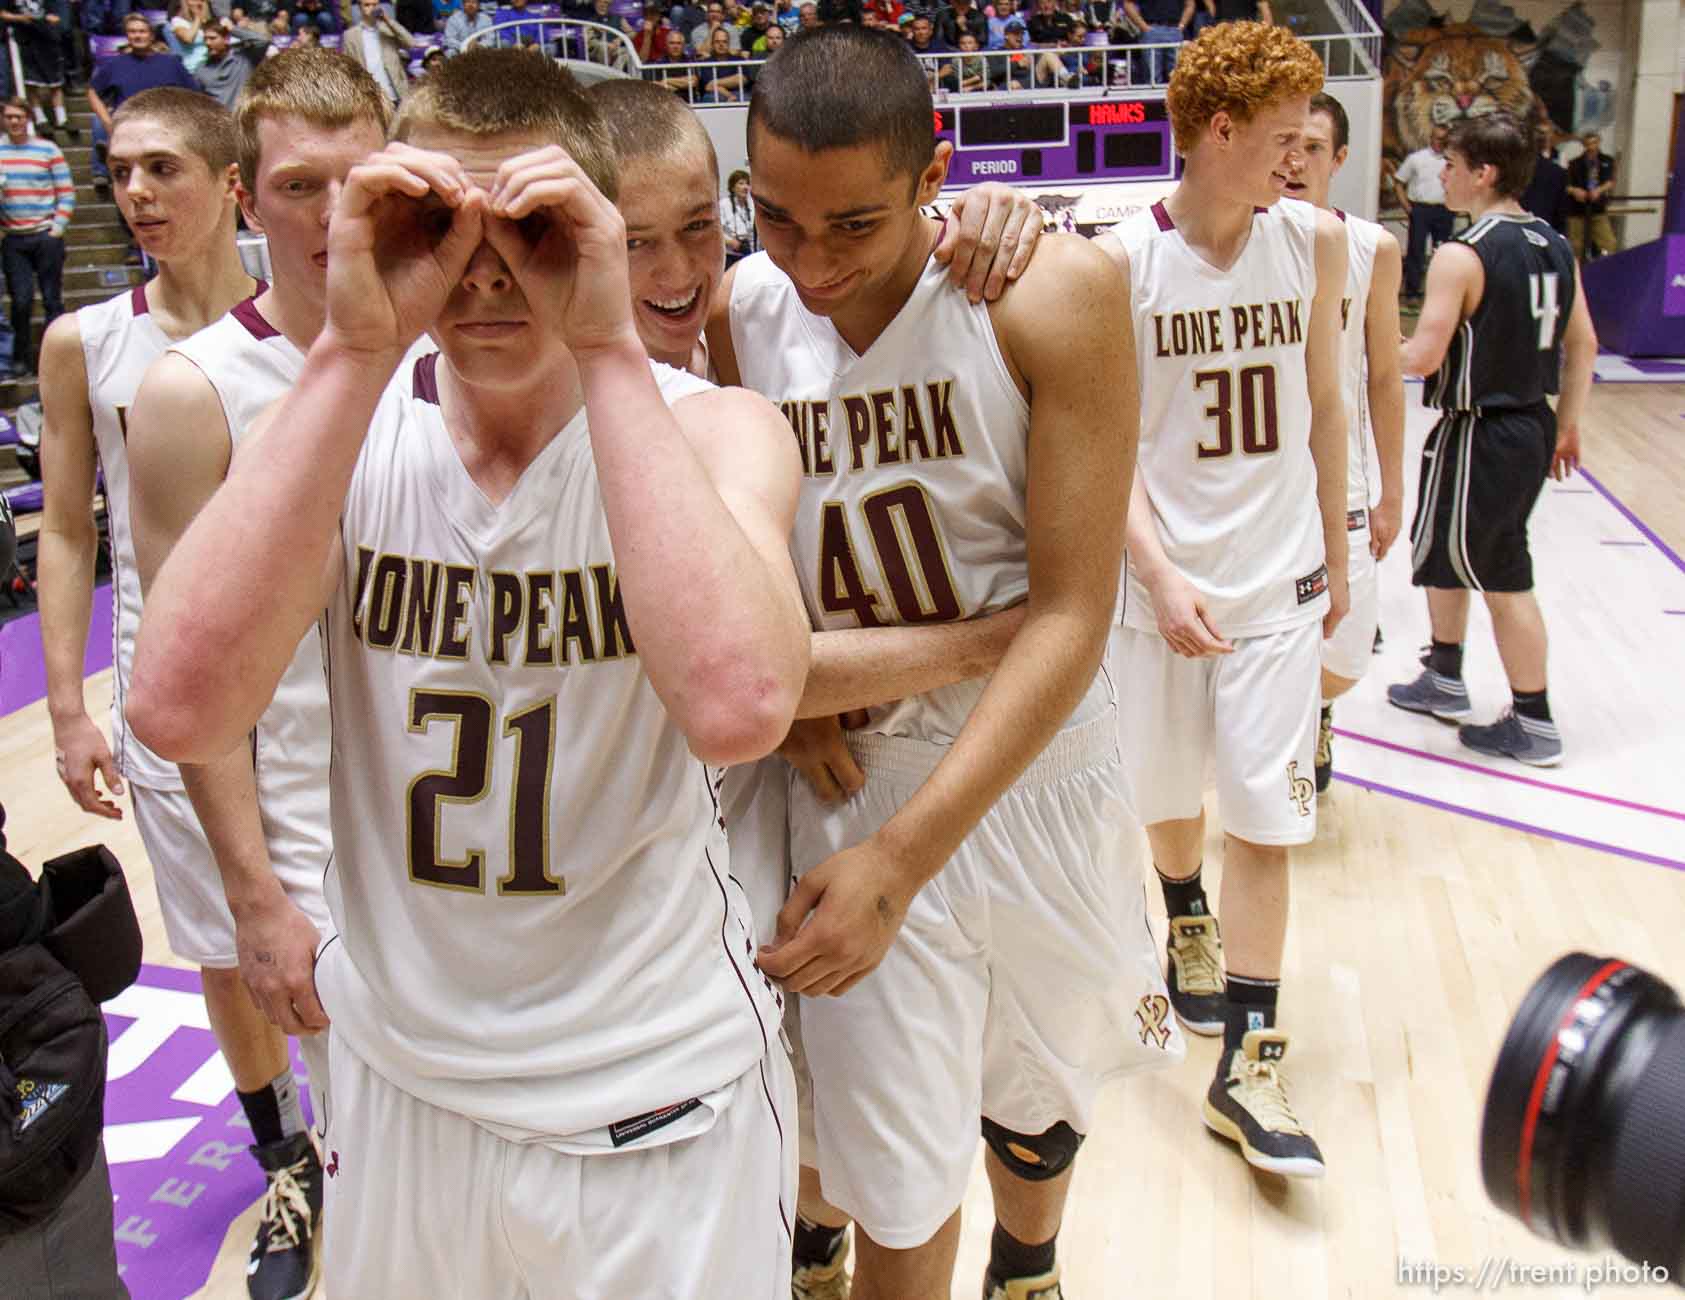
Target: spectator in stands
[(840, 11), (1591, 180), (36, 25), (702, 38), (280, 30), (1048, 25), (230, 55), (888, 11), (37, 198), (973, 70), (464, 23), (686, 16), (141, 67), (752, 40), (307, 37), (788, 15), (600, 46), (807, 16), (1420, 189), (381, 45), (736, 15), (1161, 22), (772, 42), (681, 81), (1011, 69), (737, 218), (651, 37), (185, 30), (922, 37), (721, 82), (314, 13), (1546, 195), (956, 18), (443, 9), (432, 60)]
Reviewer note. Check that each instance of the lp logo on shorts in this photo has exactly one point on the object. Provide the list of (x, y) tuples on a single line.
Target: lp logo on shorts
[(1153, 1015), (1300, 790)]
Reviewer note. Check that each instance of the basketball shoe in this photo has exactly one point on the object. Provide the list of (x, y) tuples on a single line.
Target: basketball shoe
[(1325, 749), (1194, 973), (1527, 740), (827, 1281), (1044, 1287), (1247, 1103), (1435, 694), (284, 1264)]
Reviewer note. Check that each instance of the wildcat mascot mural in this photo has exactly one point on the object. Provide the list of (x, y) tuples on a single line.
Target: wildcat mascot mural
[(1438, 72)]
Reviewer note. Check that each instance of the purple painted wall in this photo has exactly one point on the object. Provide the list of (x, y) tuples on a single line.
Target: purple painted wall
[(23, 670), (1637, 298)]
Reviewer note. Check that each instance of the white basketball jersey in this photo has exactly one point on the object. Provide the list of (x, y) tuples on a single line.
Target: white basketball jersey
[(530, 879), (120, 339), (1226, 419), (914, 461), (251, 364), (1363, 476)]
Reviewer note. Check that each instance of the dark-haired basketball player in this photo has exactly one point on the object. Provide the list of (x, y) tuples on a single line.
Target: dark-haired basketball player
[(963, 930), (1504, 326)]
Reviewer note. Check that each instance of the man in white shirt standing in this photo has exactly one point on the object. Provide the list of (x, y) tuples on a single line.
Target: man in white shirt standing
[(1421, 191), (381, 45)]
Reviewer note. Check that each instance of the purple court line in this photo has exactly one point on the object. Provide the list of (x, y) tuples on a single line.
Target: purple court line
[(1634, 520), (1673, 611), (1525, 828), (1508, 776)]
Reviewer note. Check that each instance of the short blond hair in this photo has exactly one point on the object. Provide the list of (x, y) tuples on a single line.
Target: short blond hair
[(646, 120), (323, 87), (206, 128), (486, 91), (1237, 68)]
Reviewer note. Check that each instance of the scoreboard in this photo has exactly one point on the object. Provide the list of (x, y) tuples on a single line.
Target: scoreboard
[(1064, 141)]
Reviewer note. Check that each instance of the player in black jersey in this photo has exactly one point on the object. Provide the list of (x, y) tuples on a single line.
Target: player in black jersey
[(1504, 326)]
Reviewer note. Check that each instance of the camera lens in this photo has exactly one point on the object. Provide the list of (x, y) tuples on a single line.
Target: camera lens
[(1583, 1137)]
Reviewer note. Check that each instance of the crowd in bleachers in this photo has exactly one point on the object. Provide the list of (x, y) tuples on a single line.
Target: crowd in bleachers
[(1010, 44)]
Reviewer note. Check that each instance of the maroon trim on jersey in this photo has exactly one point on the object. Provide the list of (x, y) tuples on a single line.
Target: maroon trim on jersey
[(425, 384), (248, 315), (1338, 213), (1162, 215), (137, 299)]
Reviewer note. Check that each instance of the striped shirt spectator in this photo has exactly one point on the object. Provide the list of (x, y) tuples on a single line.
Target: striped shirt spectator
[(37, 195), (37, 198)]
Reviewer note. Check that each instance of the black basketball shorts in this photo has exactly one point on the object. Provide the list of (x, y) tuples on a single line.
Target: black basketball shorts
[(1482, 472)]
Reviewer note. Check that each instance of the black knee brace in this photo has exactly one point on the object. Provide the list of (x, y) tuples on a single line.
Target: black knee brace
[(1033, 1158)]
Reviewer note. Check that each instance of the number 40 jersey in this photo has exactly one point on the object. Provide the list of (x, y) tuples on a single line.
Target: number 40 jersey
[(1226, 418), (914, 463), (1508, 353)]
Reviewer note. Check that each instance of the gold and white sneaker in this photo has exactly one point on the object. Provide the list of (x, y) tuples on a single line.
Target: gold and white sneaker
[(1194, 974), (1247, 1103), (1044, 1287), (827, 1281)]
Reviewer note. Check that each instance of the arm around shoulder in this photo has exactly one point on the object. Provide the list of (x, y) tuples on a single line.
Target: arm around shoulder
[(179, 451)]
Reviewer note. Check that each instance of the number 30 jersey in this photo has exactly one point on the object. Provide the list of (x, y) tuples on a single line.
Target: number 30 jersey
[(538, 926), (914, 463), (1226, 419), (1508, 353)]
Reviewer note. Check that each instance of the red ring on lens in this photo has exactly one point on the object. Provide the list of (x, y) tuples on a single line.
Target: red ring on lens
[(1524, 1166)]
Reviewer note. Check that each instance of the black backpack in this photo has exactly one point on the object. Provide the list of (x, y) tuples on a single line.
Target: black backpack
[(52, 1037)]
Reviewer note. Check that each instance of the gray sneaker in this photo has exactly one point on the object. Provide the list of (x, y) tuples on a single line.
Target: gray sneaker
[(1435, 694), (1527, 740)]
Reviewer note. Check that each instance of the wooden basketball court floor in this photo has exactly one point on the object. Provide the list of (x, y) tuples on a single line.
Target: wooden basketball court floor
[(1439, 886)]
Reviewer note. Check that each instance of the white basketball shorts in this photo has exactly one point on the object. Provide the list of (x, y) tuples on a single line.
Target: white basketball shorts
[(1349, 651), (1023, 976), (197, 921), (425, 1202), (1254, 712)]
